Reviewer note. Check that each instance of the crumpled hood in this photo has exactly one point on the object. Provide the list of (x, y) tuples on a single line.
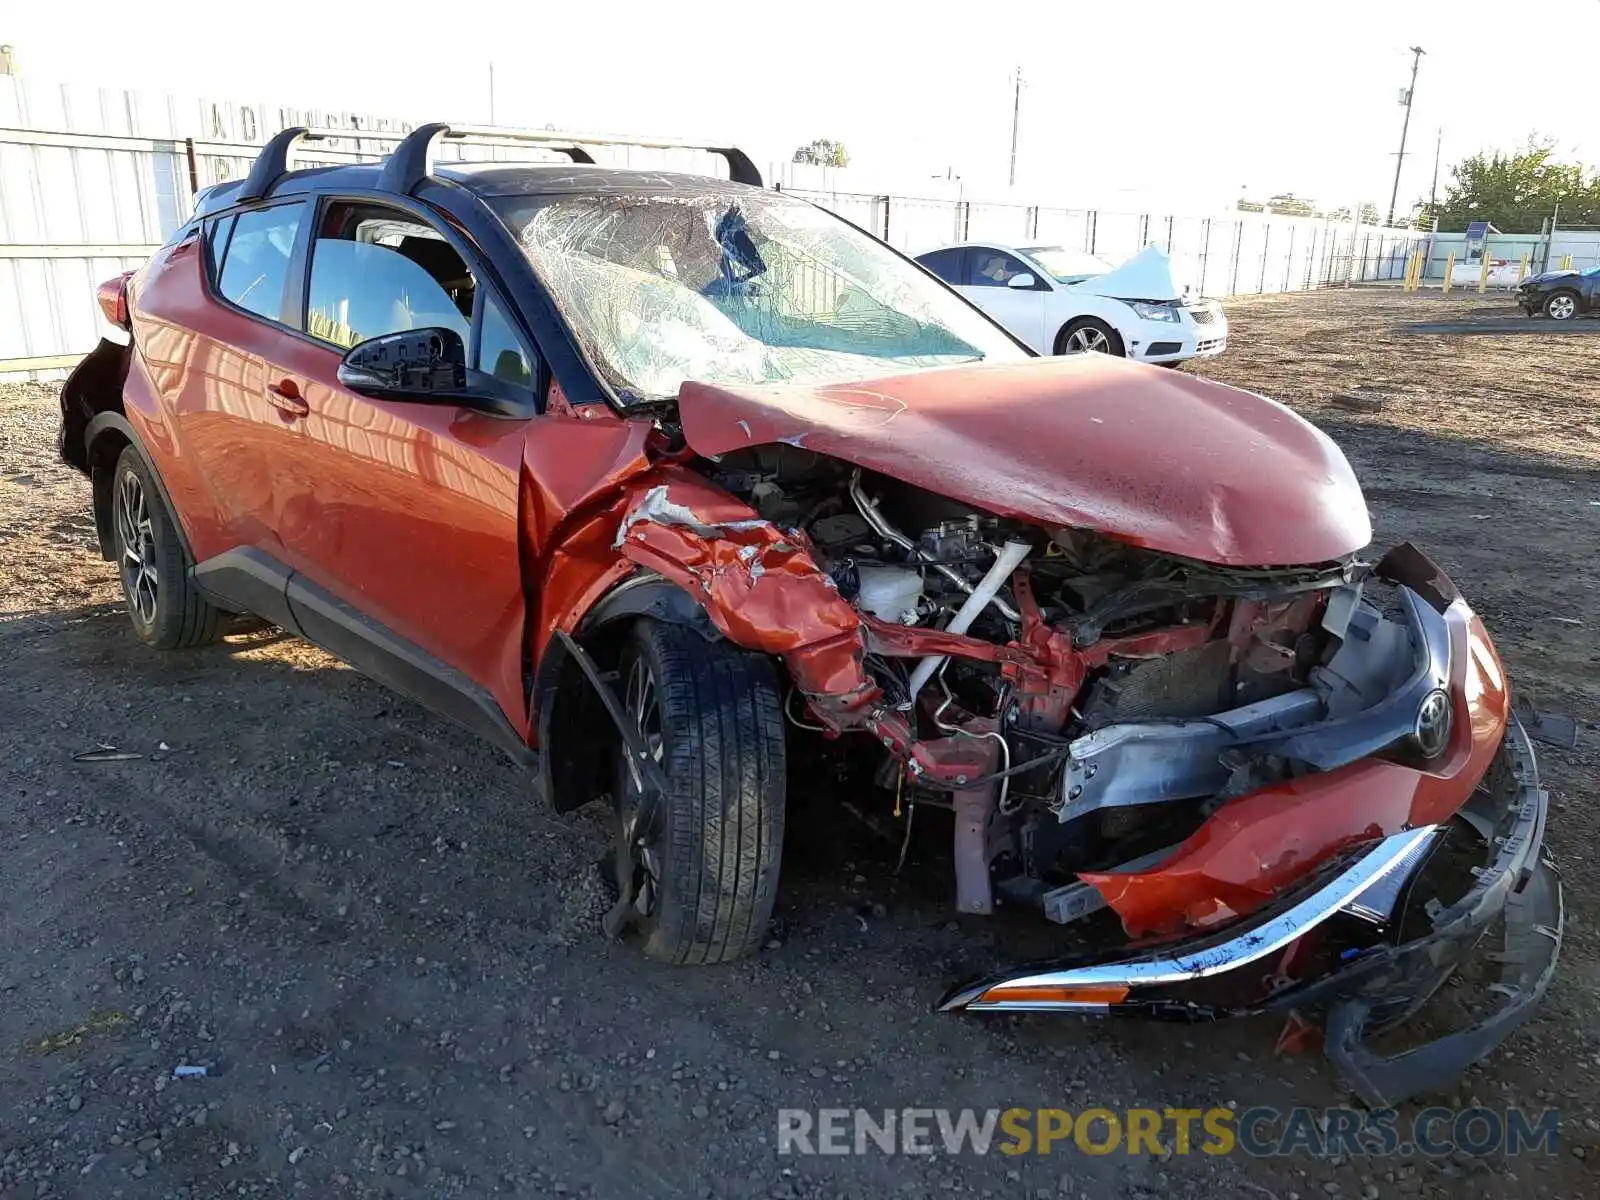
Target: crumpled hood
[(1154, 457), (1145, 276), (1550, 276)]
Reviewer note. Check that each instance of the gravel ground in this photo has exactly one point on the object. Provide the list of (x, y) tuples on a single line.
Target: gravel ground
[(389, 960)]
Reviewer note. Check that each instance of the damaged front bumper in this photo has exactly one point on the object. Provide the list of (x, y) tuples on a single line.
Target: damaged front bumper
[(1349, 945)]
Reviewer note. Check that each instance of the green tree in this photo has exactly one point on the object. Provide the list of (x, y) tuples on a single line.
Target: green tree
[(1516, 191), (823, 152)]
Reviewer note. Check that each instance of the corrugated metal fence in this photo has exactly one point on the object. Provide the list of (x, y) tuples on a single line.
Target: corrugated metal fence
[(92, 180)]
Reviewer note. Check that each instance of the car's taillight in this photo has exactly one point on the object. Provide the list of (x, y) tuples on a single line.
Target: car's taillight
[(113, 298)]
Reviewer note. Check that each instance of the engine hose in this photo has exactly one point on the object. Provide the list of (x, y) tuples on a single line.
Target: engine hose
[(871, 515)]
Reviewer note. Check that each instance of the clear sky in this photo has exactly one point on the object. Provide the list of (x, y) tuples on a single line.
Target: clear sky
[(1141, 100)]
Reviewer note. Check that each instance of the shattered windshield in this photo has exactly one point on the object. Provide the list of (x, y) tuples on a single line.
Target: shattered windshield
[(663, 287)]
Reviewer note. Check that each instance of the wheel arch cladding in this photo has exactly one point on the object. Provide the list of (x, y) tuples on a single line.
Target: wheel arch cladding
[(106, 437), (100, 460), (93, 388), (576, 733)]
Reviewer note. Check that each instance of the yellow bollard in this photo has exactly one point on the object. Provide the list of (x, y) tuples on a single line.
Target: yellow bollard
[(1449, 270), (1414, 271), (1566, 262), (1483, 273), (1522, 271)]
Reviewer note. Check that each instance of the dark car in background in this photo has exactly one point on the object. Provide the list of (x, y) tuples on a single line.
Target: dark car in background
[(1560, 295)]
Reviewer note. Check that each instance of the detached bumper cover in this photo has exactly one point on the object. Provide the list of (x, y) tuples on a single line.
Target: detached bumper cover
[(1251, 970), (1522, 889)]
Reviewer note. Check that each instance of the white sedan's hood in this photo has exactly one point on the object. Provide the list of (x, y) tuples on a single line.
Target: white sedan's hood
[(1145, 276)]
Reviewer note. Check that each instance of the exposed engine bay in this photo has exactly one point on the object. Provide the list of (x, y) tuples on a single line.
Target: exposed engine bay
[(1100, 700)]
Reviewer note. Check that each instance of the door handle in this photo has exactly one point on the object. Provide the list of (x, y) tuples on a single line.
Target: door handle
[(285, 397)]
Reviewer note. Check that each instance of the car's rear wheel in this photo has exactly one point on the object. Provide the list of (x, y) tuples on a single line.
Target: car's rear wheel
[(1561, 306), (705, 855), (1089, 335), (166, 611)]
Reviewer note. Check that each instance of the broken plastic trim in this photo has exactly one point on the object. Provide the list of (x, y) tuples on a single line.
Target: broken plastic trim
[(1141, 762), (1520, 886), (1258, 845), (647, 776), (1180, 966), (644, 769)]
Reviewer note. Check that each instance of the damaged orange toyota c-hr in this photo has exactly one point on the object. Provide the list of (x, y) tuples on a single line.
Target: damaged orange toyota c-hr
[(653, 480)]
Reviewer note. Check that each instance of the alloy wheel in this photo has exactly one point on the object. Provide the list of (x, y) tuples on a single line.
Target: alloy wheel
[(140, 581), (1562, 308), (644, 709), (1086, 340)]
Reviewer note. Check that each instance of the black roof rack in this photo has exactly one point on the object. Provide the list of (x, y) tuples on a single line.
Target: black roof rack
[(273, 161), (412, 160)]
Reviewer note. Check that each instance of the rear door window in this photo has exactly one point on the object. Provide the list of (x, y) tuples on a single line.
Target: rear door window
[(255, 262), (946, 264), (217, 233)]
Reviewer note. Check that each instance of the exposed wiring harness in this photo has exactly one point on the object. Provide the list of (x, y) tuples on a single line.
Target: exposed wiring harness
[(788, 711)]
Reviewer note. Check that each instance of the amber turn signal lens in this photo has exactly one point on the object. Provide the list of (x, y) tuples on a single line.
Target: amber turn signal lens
[(1105, 993)]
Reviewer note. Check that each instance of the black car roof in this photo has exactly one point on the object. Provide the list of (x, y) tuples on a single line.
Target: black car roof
[(490, 179), (539, 179), (412, 162)]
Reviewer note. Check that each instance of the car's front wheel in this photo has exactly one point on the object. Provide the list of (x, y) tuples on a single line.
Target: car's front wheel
[(1089, 335), (166, 610), (1561, 306), (705, 855)]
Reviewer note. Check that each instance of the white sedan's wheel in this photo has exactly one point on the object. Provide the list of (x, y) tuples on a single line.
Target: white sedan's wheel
[(1086, 340), (1089, 335)]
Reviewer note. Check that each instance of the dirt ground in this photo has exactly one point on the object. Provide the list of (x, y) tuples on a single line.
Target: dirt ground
[(389, 960)]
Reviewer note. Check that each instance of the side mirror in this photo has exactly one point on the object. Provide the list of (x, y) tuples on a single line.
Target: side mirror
[(429, 366), (414, 364), (1023, 282)]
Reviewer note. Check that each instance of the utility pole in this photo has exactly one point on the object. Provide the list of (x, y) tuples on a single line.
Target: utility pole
[(1416, 61), (491, 93), (1016, 113), (1433, 190)]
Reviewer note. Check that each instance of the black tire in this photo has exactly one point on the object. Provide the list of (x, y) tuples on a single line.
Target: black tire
[(1090, 326), (708, 893), (1561, 305), (166, 611)]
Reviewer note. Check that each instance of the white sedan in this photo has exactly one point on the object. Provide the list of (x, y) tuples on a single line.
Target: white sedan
[(1062, 301)]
